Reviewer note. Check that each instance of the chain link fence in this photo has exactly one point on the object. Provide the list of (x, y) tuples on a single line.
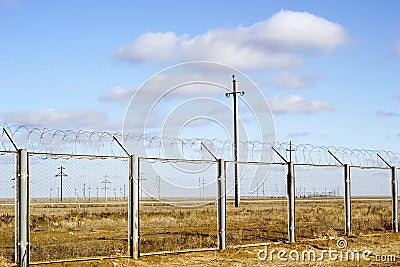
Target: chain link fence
[(78, 206), (319, 200), (178, 205), (262, 215), (7, 202), (371, 199)]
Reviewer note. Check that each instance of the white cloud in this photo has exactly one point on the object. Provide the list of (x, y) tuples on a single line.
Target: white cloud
[(296, 103), (117, 94), (199, 83), (60, 119), (157, 47), (280, 41), (290, 80)]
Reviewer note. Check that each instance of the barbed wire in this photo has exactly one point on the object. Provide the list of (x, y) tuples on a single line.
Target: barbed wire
[(84, 142)]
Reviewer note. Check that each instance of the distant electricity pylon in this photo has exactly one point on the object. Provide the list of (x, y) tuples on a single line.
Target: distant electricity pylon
[(158, 184), (61, 174), (106, 182)]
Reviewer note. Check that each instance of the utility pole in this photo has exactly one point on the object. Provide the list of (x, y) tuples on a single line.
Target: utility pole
[(290, 150), (89, 188), (234, 93), (263, 189), (61, 174), (105, 182), (202, 184), (200, 187), (158, 186), (140, 179), (84, 191), (257, 190)]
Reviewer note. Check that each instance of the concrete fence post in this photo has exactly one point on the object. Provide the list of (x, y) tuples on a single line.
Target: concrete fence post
[(133, 208), (221, 203), (347, 199), (291, 202), (22, 209), (395, 207)]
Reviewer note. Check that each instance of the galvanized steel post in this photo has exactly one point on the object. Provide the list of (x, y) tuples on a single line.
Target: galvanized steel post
[(221, 203), (133, 210), (22, 209), (347, 199), (395, 207), (291, 202)]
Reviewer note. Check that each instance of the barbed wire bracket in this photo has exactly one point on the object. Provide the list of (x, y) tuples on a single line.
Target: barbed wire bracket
[(10, 138), (209, 151), (333, 155), (387, 163), (123, 148), (279, 154)]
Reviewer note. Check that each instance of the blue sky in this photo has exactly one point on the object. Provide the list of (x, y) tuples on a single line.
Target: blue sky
[(329, 69)]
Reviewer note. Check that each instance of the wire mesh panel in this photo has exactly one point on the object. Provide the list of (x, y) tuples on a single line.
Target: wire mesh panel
[(319, 201), (78, 206), (7, 202), (177, 206), (262, 214), (371, 199)]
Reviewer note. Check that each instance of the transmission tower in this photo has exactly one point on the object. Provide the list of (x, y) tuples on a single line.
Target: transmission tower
[(106, 182), (61, 174)]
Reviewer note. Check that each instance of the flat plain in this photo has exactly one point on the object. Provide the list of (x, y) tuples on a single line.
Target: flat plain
[(64, 232)]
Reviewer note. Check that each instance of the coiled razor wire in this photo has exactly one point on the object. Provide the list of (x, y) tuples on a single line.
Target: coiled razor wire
[(83, 142)]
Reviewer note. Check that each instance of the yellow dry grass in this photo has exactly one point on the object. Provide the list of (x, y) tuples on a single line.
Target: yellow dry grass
[(61, 232)]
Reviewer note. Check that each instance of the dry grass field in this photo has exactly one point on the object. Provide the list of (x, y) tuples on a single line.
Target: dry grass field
[(95, 230)]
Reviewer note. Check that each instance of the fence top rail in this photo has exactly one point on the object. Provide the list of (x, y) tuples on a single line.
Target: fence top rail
[(256, 162), (2, 152), (66, 155), (318, 165), (260, 163), (369, 167), (177, 160), (92, 156)]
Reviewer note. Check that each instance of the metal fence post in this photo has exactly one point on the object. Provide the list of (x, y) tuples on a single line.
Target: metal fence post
[(291, 202), (22, 209), (221, 203), (347, 199), (395, 207), (133, 209)]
